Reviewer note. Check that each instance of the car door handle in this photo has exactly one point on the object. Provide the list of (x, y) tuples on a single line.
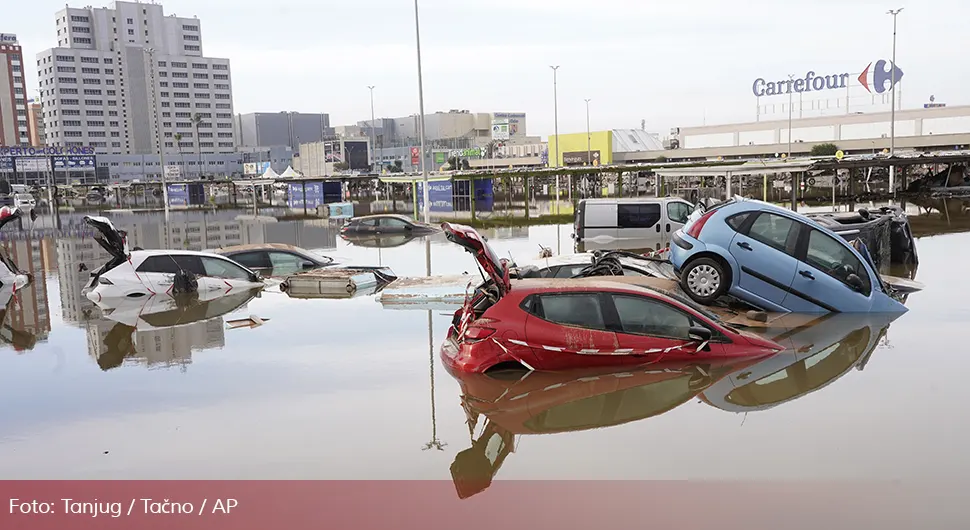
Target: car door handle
[(744, 245), (668, 227), (658, 228), (807, 275)]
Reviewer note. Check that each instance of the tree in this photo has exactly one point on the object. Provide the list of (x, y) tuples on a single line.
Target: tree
[(660, 159), (455, 164), (341, 166), (397, 167), (826, 149)]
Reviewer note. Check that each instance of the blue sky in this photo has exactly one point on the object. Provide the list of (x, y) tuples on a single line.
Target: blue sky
[(672, 64)]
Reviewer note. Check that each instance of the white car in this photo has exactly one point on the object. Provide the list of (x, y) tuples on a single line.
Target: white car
[(140, 273), (570, 265), (10, 273)]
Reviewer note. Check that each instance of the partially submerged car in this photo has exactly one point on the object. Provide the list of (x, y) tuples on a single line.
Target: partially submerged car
[(596, 263), (777, 260), (543, 324), (10, 273), (275, 259), (141, 273), (385, 225)]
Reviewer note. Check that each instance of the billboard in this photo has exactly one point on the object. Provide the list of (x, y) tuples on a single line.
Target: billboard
[(877, 77), (415, 156), (173, 172), (440, 157), (178, 194), (484, 195), (255, 168), (74, 162), (355, 154), (312, 198), (440, 195), (28, 163), (500, 129), (581, 158), (6, 163)]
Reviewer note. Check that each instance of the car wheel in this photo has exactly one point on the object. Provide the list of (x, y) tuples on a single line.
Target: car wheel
[(704, 280)]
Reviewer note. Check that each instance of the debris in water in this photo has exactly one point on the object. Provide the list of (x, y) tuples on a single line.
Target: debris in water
[(252, 322)]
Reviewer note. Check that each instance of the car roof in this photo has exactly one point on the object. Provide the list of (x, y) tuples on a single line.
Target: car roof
[(384, 215), (635, 200), (262, 246), (164, 252), (538, 285)]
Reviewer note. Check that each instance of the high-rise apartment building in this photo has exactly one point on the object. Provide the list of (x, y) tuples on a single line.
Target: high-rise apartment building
[(13, 94), (127, 78), (267, 129), (35, 124)]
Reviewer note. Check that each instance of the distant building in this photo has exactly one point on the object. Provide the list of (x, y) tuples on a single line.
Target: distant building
[(267, 129), (13, 94), (35, 124), (125, 78), (600, 147)]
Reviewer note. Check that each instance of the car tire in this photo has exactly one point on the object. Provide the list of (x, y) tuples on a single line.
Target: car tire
[(704, 280)]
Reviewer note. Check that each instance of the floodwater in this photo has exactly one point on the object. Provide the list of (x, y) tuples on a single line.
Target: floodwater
[(345, 389)]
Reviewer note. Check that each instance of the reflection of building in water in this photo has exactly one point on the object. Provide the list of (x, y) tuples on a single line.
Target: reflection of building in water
[(76, 258), (155, 348), (30, 312)]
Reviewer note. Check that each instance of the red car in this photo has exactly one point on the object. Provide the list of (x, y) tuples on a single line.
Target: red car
[(542, 324)]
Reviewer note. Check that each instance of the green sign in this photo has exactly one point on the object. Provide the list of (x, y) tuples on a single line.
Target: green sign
[(440, 157)]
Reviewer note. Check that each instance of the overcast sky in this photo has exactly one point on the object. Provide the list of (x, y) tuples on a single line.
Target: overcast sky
[(672, 64)]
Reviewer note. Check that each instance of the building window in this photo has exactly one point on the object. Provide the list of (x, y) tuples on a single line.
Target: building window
[(72, 80), (109, 71), (203, 106), (66, 69), (91, 81), (198, 75), (179, 65), (90, 70), (90, 112), (202, 96), (93, 102), (82, 40), (65, 59), (78, 18), (68, 91), (162, 63), (193, 38), (131, 21), (108, 60), (220, 67), (109, 81), (190, 28), (222, 96), (190, 48), (131, 31), (81, 29), (221, 87), (180, 75)]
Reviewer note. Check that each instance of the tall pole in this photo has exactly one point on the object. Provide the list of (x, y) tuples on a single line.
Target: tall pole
[(892, 119), (589, 149), (555, 107), (158, 130), (373, 134), (424, 168), (790, 103)]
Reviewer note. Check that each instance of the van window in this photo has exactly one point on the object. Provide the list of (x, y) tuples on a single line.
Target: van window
[(678, 212), (637, 215)]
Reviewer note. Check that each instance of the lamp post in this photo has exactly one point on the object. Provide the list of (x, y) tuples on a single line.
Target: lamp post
[(791, 77), (589, 150), (158, 131), (555, 107), (424, 168), (892, 119), (373, 137)]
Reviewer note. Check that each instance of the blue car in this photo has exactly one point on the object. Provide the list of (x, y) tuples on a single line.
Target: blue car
[(775, 259)]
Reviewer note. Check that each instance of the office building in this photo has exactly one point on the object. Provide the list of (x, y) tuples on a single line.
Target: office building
[(125, 78), (13, 94), (268, 129), (37, 135)]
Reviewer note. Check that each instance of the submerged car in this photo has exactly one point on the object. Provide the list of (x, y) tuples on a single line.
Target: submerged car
[(777, 260), (612, 263), (138, 273), (385, 224), (543, 324), (275, 258), (10, 273)]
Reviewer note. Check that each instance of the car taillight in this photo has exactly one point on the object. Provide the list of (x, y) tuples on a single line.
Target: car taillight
[(477, 333), (694, 230)]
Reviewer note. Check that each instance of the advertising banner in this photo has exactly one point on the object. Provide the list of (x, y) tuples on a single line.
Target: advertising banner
[(581, 157), (500, 129), (313, 198), (6, 163), (415, 156), (33, 163), (440, 195), (173, 172), (74, 162), (440, 157), (178, 194), (484, 195)]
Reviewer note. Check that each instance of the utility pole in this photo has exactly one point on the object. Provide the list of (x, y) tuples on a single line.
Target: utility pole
[(892, 119), (555, 106), (424, 168), (373, 135), (589, 150), (158, 129), (791, 77)]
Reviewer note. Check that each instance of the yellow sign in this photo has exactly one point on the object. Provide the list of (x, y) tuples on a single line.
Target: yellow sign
[(839, 154)]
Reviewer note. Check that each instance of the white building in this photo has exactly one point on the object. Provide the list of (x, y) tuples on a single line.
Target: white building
[(125, 75), (13, 95)]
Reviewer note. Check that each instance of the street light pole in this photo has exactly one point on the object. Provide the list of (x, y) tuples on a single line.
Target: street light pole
[(424, 168), (892, 119), (373, 137), (555, 106), (791, 77), (158, 129), (589, 149)]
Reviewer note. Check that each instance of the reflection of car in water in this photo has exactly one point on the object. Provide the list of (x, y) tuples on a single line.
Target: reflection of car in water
[(21, 340), (386, 224), (10, 273), (817, 354), (140, 273), (549, 403), (373, 241), (158, 312)]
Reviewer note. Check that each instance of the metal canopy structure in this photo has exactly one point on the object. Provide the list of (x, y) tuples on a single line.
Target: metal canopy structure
[(741, 169)]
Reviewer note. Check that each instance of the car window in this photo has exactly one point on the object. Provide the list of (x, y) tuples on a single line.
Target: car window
[(253, 260), (391, 222), (220, 268), (835, 259), (171, 264), (737, 221), (637, 215), (580, 310), (771, 230), (285, 260), (367, 222), (569, 271), (646, 316), (678, 212)]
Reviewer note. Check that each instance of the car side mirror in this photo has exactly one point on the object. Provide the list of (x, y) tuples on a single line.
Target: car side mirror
[(855, 282), (699, 333), (308, 265)]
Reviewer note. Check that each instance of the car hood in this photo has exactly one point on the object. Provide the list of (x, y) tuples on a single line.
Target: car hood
[(496, 268), (8, 214), (110, 238)]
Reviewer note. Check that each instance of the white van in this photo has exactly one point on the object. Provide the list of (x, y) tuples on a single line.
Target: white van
[(626, 224)]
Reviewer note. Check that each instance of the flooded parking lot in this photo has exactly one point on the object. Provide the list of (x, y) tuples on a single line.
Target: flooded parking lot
[(348, 389)]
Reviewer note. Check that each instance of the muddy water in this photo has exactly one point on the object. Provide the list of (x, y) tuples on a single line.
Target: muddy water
[(344, 389)]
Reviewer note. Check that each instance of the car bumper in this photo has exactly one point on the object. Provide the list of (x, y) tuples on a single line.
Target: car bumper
[(683, 248), (476, 357)]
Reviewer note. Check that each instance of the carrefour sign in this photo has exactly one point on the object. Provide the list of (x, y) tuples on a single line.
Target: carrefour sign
[(877, 77)]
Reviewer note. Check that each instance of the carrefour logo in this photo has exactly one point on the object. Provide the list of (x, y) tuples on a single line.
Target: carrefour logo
[(877, 77)]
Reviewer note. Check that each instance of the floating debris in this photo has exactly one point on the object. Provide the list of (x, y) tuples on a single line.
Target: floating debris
[(252, 322)]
